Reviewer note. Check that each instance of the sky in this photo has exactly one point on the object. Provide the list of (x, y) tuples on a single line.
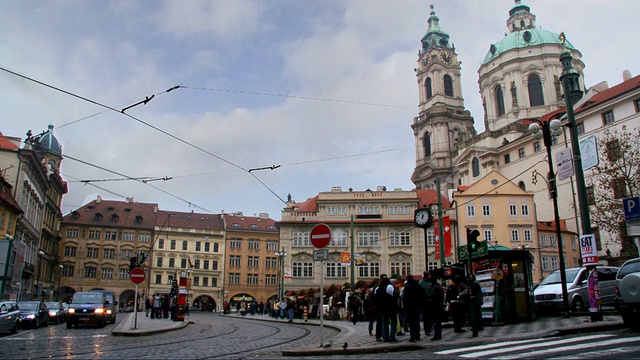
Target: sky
[(253, 101)]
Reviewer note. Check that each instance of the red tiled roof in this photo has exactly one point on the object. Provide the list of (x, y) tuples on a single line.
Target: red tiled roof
[(190, 220), (611, 93), (551, 225), (428, 197), (115, 214), (311, 204), (6, 197), (7, 144), (241, 222)]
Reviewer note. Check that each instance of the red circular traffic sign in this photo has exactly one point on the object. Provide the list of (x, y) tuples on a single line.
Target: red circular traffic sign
[(137, 275), (321, 235)]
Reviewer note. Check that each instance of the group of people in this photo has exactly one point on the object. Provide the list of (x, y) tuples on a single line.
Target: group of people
[(162, 306), (393, 310)]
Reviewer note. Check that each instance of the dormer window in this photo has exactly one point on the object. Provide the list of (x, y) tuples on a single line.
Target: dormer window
[(236, 225), (138, 219), (75, 215), (254, 226), (97, 217), (114, 217)]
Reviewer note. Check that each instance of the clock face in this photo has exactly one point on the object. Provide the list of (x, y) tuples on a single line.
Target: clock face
[(425, 61), (422, 217), (446, 57)]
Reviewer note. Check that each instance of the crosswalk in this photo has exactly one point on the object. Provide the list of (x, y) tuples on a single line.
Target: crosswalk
[(585, 346)]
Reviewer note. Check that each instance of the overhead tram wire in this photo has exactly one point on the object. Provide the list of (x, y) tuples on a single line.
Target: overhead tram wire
[(141, 181)]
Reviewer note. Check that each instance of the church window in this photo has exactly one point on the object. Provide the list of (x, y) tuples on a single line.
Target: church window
[(475, 165), (427, 86), (426, 141), (499, 101), (522, 186), (535, 91), (448, 85)]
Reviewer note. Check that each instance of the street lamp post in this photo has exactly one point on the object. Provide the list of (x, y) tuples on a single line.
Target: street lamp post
[(281, 255), (545, 129), (59, 278), (40, 255)]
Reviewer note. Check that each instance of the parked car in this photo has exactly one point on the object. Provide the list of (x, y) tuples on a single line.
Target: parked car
[(87, 308), (56, 312), (628, 293), (110, 305), (548, 295), (9, 316), (33, 314)]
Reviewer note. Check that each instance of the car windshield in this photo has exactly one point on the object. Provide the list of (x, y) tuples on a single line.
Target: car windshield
[(87, 299), (28, 305), (53, 305), (555, 278)]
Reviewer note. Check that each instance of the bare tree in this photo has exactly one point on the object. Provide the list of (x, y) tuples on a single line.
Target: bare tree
[(617, 176)]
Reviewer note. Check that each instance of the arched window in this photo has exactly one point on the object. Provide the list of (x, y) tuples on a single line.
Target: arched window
[(427, 87), (448, 85), (499, 101), (426, 142), (475, 165), (535, 91), (522, 186)]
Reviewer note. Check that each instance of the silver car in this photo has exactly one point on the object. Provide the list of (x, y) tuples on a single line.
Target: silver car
[(9, 316)]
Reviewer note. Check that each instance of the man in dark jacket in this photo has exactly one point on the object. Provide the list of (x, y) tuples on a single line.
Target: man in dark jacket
[(437, 308), (425, 282), (413, 298)]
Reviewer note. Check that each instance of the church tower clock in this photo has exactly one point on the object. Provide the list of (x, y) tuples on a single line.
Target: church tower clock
[(443, 124)]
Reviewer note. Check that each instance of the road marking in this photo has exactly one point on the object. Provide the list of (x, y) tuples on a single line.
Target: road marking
[(571, 348), (528, 347)]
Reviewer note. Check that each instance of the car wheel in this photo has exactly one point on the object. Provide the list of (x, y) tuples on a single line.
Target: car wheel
[(577, 305), (36, 324), (69, 325), (14, 329)]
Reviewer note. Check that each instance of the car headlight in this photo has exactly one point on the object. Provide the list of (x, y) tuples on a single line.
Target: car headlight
[(53, 313), (99, 311), (30, 316), (559, 296), (72, 311), (108, 312)]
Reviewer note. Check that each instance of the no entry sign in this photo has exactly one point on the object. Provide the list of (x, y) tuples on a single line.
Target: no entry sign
[(137, 275), (320, 235)]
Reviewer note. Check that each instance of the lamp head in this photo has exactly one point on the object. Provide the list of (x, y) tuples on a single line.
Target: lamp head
[(555, 126)]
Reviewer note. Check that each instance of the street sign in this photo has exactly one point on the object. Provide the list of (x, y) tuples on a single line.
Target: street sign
[(482, 250), (589, 152), (320, 235), (137, 275), (320, 255), (631, 208), (588, 249), (564, 163)]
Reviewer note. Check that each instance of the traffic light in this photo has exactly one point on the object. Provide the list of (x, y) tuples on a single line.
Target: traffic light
[(133, 263), (472, 241)]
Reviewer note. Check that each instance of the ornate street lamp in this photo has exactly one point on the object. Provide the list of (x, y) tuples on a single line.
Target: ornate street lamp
[(545, 129), (281, 255)]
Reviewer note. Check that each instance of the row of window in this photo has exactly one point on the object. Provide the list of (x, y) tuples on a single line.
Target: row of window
[(253, 261), (365, 238), (486, 210), (94, 252), (198, 246), (202, 281), (534, 87), (253, 244), (183, 263), (368, 210), (109, 235), (447, 82)]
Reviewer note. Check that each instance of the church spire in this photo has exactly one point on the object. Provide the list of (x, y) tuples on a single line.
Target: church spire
[(435, 36)]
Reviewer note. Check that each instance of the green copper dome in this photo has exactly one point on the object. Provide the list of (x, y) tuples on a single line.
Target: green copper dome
[(49, 143), (522, 39)]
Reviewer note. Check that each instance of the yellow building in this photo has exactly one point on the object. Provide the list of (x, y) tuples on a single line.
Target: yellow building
[(251, 247), (190, 245), (548, 256), (9, 212)]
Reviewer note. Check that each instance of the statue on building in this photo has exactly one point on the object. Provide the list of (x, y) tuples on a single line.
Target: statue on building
[(514, 96)]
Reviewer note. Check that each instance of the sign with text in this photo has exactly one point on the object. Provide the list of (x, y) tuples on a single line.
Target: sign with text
[(631, 208), (320, 255), (345, 258), (564, 163), (320, 235), (588, 249), (446, 226), (589, 152)]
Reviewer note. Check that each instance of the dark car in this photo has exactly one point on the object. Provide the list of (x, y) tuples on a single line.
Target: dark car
[(33, 314), (87, 308), (9, 316), (56, 312), (110, 305)]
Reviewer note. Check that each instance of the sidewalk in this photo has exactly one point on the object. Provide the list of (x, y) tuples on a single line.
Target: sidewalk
[(145, 325)]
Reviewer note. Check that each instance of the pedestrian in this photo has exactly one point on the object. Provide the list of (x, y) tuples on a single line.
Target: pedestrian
[(378, 299), (147, 306), (283, 307), (437, 308), (165, 306), (455, 298), (289, 308), (425, 282), (370, 310), (476, 305), (389, 310), (174, 308), (156, 306), (354, 307), (413, 298)]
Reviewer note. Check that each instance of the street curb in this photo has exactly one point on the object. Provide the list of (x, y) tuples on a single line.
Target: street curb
[(358, 350), (612, 325)]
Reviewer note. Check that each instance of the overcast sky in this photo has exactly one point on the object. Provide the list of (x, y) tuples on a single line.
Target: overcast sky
[(324, 89)]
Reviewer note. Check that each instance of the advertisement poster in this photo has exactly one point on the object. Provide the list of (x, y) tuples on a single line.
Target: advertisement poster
[(594, 291)]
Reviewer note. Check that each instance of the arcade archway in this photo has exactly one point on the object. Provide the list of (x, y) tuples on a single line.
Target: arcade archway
[(204, 303)]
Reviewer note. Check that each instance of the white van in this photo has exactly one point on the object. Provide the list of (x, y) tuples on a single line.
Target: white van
[(548, 295)]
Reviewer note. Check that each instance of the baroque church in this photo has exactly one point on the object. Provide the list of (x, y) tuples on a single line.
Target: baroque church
[(518, 79)]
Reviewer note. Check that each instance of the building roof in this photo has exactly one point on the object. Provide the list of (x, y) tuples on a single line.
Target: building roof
[(7, 198), (435, 36), (117, 214), (49, 143), (250, 223), (428, 197), (7, 144), (610, 93), (188, 220)]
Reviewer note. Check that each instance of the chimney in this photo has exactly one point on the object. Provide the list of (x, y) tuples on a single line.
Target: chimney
[(98, 199), (626, 75)]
